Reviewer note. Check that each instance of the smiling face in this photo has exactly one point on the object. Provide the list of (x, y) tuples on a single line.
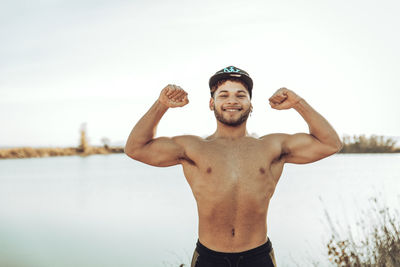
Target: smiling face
[(231, 103)]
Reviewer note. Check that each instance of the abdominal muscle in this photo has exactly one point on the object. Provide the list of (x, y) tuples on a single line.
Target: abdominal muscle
[(233, 220), (225, 235), (232, 185)]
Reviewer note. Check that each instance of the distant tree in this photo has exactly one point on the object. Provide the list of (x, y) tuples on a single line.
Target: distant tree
[(372, 144), (83, 144), (106, 142)]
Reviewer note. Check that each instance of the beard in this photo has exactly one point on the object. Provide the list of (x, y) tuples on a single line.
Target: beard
[(231, 122)]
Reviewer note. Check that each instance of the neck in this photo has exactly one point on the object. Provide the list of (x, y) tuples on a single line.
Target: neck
[(230, 132)]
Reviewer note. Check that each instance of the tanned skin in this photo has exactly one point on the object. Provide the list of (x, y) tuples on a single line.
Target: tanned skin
[(232, 175)]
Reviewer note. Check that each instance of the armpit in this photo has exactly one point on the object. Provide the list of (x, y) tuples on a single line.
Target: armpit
[(184, 157), (281, 156)]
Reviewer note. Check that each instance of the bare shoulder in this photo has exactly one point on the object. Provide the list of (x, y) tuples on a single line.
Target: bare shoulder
[(274, 138), (187, 140), (190, 143), (275, 143)]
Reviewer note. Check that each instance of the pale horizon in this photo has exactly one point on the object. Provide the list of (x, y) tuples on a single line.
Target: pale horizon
[(66, 63)]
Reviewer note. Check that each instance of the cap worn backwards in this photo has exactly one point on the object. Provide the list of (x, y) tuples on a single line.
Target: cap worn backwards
[(232, 72)]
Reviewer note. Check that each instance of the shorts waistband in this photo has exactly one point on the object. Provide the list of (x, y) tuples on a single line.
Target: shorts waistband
[(264, 248)]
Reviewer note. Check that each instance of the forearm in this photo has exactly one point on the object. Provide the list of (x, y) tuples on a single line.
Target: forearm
[(319, 127), (145, 129)]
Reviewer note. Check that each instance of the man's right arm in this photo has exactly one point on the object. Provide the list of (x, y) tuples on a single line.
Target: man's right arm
[(162, 151)]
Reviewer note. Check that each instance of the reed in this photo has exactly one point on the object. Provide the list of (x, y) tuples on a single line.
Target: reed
[(29, 152), (377, 245), (83, 149), (372, 144)]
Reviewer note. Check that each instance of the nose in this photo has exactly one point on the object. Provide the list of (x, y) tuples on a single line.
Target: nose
[(232, 100)]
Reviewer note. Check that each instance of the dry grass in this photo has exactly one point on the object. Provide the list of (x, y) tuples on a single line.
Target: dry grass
[(29, 152), (83, 149), (377, 245), (372, 144)]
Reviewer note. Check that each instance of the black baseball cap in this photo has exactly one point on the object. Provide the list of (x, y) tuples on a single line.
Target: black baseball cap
[(232, 72)]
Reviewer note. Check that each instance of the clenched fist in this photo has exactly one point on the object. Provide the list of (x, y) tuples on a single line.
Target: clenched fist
[(284, 99), (173, 96)]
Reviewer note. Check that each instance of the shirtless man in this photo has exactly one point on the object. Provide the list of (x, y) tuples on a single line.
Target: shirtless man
[(232, 175)]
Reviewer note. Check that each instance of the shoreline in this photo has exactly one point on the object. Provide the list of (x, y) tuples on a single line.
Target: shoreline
[(29, 152)]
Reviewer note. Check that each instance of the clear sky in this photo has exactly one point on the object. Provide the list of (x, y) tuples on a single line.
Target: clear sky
[(63, 63)]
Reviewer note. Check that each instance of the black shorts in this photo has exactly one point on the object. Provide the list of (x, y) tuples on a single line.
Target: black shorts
[(261, 256)]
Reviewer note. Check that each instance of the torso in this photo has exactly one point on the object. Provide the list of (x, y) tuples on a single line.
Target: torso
[(232, 182)]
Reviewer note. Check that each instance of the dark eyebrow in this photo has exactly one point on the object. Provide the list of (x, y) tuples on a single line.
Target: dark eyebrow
[(226, 91)]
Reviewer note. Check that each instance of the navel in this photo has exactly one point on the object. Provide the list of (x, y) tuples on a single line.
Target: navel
[(209, 170), (262, 170), (233, 231)]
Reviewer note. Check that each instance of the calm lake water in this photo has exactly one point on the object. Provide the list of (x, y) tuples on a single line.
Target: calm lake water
[(113, 211)]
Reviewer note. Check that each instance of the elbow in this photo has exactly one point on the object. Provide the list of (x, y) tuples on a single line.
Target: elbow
[(337, 146), (135, 150), (332, 147), (340, 146), (130, 151)]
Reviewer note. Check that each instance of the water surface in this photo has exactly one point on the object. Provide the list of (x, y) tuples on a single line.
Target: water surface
[(113, 211)]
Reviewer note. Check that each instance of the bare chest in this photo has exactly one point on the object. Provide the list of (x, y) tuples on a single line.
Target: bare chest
[(224, 170), (232, 183)]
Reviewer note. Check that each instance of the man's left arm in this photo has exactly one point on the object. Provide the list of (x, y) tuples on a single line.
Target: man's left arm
[(321, 142)]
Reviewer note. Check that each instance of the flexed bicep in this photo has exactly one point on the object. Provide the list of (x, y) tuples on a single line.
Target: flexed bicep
[(322, 141), (160, 152), (304, 148)]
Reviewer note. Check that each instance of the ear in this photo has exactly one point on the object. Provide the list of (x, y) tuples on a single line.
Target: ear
[(251, 107), (211, 104)]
